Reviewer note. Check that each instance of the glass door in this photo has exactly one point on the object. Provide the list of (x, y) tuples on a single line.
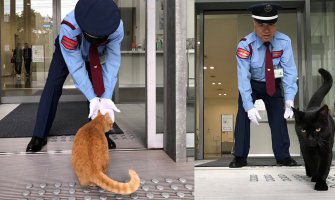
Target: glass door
[(27, 24), (216, 70)]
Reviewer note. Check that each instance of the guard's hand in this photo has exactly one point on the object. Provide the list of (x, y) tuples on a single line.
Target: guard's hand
[(253, 115), (107, 105), (288, 109), (94, 106)]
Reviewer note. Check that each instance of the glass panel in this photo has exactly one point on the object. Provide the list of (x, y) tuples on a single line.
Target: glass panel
[(132, 70), (190, 53), (28, 24), (160, 66), (131, 85), (323, 45), (220, 84), (6, 10), (67, 6)]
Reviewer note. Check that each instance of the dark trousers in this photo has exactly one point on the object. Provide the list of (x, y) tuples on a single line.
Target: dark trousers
[(52, 91), (278, 125), (18, 67), (27, 63)]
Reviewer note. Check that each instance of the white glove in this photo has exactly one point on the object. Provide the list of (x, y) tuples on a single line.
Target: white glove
[(107, 105), (94, 107), (288, 109), (253, 115)]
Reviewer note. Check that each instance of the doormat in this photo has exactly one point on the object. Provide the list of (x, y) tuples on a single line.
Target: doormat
[(20, 122), (253, 161)]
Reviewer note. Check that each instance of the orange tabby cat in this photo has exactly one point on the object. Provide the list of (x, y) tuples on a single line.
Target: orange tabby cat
[(90, 157)]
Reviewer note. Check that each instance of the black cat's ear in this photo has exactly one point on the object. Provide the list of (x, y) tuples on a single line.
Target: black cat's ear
[(324, 112), (297, 114)]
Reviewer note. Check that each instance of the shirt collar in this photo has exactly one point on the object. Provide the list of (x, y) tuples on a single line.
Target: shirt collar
[(259, 42)]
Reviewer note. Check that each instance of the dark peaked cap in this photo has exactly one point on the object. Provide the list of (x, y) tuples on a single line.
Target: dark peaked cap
[(98, 18), (265, 12)]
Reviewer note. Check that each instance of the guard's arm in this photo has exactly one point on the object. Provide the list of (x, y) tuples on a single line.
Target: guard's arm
[(243, 57), (69, 46), (113, 60)]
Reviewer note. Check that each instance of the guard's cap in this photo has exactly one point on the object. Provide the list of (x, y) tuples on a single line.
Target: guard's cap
[(98, 18), (265, 13)]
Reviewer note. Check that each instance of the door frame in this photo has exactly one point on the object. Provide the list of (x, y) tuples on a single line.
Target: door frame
[(203, 7)]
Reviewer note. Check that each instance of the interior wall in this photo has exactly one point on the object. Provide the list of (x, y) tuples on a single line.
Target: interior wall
[(213, 109), (219, 44)]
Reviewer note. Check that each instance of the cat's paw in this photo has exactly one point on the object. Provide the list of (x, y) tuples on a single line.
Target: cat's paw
[(313, 179), (321, 186)]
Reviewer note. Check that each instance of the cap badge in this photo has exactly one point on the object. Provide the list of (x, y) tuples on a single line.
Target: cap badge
[(267, 8)]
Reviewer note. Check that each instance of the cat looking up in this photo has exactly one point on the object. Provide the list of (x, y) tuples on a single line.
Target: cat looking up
[(90, 157), (315, 129)]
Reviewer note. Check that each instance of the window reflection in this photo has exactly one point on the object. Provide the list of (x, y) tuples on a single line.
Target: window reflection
[(323, 48), (28, 24)]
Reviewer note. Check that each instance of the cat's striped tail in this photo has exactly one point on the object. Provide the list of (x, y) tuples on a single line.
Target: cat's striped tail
[(109, 184), (318, 96)]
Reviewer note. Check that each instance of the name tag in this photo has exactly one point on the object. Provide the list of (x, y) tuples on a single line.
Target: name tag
[(279, 73)]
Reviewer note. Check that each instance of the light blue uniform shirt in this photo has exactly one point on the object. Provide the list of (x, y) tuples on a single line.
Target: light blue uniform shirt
[(252, 67), (75, 59)]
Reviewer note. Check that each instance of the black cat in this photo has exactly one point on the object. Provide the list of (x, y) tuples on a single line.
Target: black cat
[(315, 129)]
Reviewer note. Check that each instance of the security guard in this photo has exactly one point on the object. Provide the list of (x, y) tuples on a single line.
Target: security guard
[(265, 62), (88, 47)]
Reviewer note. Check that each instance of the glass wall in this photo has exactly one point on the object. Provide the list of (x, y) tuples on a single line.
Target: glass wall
[(160, 66), (323, 45), (26, 24)]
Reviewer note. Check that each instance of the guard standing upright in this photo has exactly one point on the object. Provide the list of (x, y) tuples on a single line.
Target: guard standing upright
[(88, 47), (265, 62)]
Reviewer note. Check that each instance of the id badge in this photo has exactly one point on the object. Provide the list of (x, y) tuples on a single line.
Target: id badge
[(279, 73)]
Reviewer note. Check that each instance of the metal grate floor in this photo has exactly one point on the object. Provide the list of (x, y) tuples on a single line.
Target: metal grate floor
[(50, 176), (259, 183)]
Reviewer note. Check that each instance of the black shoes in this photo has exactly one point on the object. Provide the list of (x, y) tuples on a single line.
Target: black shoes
[(111, 143), (238, 162), (287, 162), (115, 130), (36, 144)]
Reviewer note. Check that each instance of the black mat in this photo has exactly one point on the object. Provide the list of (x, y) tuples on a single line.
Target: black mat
[(20, 122), (255, 161)]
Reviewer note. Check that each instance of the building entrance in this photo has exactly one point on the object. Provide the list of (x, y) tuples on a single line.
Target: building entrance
[(218, 34)]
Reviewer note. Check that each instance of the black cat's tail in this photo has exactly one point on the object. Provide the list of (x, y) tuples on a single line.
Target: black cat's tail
[(318, 96)]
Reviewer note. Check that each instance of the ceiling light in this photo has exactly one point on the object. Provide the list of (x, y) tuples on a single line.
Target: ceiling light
[(225, 94), (205, 67), (220, 94), (211, 67), (213, 83), (219, 83), (198, 42)]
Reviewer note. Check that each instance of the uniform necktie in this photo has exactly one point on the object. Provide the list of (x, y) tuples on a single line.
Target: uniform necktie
[(96, 71), (269, 73)]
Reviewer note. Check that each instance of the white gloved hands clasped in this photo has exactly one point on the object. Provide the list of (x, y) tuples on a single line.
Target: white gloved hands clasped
[(104, 105), (288, 109), (107, 105), (94, 107), (254, 115)]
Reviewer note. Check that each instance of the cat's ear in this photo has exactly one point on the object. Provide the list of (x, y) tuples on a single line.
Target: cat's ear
[(297, 114), (99, 113), (107, 115), (324, 112)]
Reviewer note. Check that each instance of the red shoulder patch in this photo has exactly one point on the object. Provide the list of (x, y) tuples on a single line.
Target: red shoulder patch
[(69, 43), (277, 54), (242, 53)]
